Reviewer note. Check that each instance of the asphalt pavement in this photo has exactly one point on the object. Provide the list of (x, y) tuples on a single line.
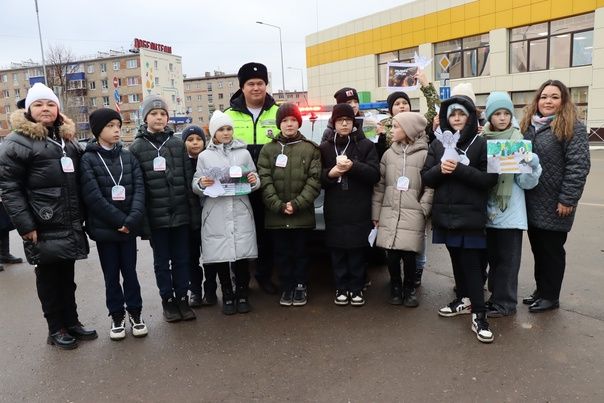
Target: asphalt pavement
[(321, 352)]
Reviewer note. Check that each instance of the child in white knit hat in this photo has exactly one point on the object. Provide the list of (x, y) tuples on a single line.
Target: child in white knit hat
[(225, 175)]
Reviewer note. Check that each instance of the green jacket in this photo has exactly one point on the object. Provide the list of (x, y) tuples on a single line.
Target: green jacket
[(299, 182)]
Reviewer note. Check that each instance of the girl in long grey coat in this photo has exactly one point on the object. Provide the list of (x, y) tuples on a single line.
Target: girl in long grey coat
[(225, 175), (401, 203)]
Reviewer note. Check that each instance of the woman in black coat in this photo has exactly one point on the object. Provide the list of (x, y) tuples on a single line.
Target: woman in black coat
[(561, 142), (39, 162), (350, 169)]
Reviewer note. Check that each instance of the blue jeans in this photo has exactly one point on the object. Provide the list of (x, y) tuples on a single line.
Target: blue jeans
[(120, 258), (171, 246)]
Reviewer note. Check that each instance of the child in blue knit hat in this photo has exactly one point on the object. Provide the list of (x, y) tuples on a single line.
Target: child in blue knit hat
[(506, 211)]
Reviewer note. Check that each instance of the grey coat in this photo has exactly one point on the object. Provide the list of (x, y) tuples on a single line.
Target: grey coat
[(402, 214), (228, 232), (565, 168)]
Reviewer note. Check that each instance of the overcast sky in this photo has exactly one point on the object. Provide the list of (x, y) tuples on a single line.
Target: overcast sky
[(209, 35)]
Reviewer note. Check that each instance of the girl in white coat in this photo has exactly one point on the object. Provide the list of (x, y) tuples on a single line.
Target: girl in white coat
[(225, 175)]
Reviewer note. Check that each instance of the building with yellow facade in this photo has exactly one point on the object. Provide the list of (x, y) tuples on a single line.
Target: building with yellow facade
[(503, 45)]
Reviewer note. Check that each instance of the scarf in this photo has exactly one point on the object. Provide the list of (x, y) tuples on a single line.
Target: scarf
[(539, 121), (503, 190)]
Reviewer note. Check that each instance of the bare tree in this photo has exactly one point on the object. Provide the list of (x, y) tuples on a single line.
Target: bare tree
[(61, 68)]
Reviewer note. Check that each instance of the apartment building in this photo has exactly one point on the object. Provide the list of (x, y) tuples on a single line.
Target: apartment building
[(118, 80)]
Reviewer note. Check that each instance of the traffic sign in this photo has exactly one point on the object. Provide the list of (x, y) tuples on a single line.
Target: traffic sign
[(444, 62), (445, 93)]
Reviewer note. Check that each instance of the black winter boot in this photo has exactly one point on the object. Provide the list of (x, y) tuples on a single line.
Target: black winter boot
[(171, 311), (5, 256), (243, 302), (396, 294), (185, 310)]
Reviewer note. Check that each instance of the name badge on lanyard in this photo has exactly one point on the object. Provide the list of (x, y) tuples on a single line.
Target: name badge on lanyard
[(159, 163), (235, 172), (67, 164), (402, 183), (118, 192), (281, 161)]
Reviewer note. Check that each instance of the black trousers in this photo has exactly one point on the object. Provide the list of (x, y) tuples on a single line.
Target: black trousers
[(467, 269), (242, 277), (504, 248), (349, 268), (195, 270), (550, 261), (56, 291), (394, 267), (290, 255)]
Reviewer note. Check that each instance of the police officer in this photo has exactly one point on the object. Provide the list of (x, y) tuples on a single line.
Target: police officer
[(254, 113)]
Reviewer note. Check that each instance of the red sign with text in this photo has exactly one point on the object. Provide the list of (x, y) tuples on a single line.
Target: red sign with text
[(140, 43)]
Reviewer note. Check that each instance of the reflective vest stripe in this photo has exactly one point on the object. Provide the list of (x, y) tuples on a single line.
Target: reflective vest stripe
[(264, 129)]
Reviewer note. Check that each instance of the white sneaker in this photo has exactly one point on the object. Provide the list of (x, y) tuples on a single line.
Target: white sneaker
[(118, 327), (480, 326), (341, 297), (356, 298), (139, 328), (456, 307)]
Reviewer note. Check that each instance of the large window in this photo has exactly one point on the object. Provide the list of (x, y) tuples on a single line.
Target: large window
[(465, 57), (401, 56), (552, 45)]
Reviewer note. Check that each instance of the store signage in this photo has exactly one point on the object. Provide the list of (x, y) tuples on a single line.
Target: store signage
[(140, 43)]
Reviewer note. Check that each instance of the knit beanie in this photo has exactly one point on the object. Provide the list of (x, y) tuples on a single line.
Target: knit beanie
[(465, 89), (39, 91), (498, 100), (252, 70), (345, 94), (394, 96), (99, 119), (288, 109), (153, 102), (454, 107), (193, 129), (218, 120), (341, 111), (413, 123)]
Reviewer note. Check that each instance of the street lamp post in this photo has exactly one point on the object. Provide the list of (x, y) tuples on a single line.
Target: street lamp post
[(301, 75), (281, 47), (41, 47)]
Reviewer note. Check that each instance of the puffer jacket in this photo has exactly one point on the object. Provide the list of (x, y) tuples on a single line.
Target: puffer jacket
[(105, 215), (227, 222), (168, 195), (460, 198), (402, 214), (38, 195), (347, 206), (299, 182), (565, 166)]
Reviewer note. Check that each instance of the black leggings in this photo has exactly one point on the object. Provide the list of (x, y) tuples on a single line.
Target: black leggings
[(394, 267)]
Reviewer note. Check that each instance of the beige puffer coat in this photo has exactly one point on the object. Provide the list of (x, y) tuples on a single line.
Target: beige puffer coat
[(402, 214)]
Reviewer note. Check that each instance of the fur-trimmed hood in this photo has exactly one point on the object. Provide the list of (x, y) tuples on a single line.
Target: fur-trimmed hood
[(37, 131)]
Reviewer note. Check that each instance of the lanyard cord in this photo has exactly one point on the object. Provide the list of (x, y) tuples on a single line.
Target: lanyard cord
[(62, 145), (286, 144), (468, 147), (153, 145), (335, 147), (109, 172)]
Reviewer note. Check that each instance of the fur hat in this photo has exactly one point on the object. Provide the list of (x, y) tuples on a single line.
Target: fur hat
[(252, 70), (456, 107), (465, 89), (498, 100), (152, 102), (218, 120), (99, 119), (288, 109), (193, 129), (40, 91), (394, 96), (345, 94), (342, 111), (413, 124)]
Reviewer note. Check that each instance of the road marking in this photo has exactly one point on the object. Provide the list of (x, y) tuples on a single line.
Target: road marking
[(592, 204)]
